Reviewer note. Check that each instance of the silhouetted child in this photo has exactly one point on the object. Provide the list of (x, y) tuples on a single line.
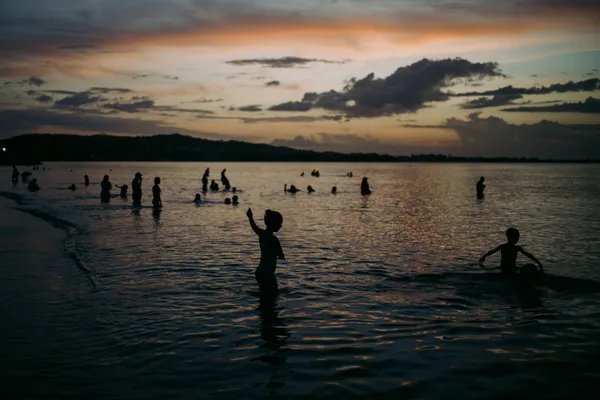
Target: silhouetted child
[(364, 187), (227, 200), (480, 187), (310, 189), (136, 189), (33, 186), (334, 190), (197, 199), (205, 180), (124, 189), (508, 252), (156, 201), (214, 186), (15, 175), (86, 180), (224, 180), (106, 186), (235, 200), (270, 251)]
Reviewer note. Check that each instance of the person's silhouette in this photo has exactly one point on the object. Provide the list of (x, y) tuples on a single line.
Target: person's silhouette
[(197, 199), (364, 187), (72, 187), (310, 189), (33, 186), (293, 189), (334, 190), (156, 200), (270, 252), (480, 187), (136, 189), (509, 252), (86, 180), (106, 186), (224, 180), (15, 175), (205, 180), (235, 200)]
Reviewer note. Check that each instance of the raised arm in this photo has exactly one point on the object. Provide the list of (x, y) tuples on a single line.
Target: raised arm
[(489, 253), (253, 225), (531, 257)]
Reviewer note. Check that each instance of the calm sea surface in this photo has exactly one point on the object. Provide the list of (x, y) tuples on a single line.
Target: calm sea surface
[(380, 295)]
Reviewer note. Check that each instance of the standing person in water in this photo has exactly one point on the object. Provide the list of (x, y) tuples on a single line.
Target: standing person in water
[(15, 175), (106, 187), (205, 180), (224, 180), (364, 187), (480, 187), (270, 252), (136, 189), (156, 201), (509, 252), (86, 180)]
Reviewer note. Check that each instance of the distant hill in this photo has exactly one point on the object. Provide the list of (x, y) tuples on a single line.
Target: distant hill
[(34, 148)]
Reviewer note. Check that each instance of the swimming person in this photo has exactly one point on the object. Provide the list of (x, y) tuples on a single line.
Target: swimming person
[(364, 187), (291, 190), (123, 190), (508, 252), (227, 200), (72, 187), (480, 187), (86, 180), (310, 189), (33, 186), (15, 175), (197, 199), (106, 187), (270, 252), (136, 189), (234, 200), (334, 190), (214, 186), (156, 201)]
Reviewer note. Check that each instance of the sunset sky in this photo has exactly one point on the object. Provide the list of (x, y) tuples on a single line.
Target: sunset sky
[(467, 77)]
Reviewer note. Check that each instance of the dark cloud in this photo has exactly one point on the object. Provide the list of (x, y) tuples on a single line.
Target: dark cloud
[(292, 119), (292, 106), (591, 105), (407, 90), (78, 100), (66, 92), (169, 77), (496, 101), (283, 62), (44, 98), (79, 47), (105, 90), (250, 108), (494, 137), (33, 81), (206, 100), (588, 85), (136, 106), (182, 110), (273, 83)]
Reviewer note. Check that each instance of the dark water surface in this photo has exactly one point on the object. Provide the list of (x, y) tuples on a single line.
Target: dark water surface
[(380, 296)]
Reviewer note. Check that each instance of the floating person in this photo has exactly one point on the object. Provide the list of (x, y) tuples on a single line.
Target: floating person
[(364, 187), (156, 201), (197, 199), (86, 180), (224, 180), (310, 189), (136, 189), (334, 190), (15, 174), (33, 186), (292, 189), (235, 200), (480, 187), (106, 187), (123, 190), (270, 252), (25, 176), (205, 180), (508, 253), (227, 200), (72, 187), (214, 186)]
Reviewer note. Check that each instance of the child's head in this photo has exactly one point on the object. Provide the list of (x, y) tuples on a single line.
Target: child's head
[(235, 199), (481, 179), (273, 220), (197, 198), (227, 200), (157, 181), (512, 234), (105, 177)]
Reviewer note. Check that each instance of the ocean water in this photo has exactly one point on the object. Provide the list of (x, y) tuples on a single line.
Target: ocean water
[(380, 295)]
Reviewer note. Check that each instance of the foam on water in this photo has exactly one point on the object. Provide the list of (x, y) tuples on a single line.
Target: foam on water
[(379, 294)]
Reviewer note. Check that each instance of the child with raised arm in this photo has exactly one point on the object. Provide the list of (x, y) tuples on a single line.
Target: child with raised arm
[(508, 252), (270, 251)]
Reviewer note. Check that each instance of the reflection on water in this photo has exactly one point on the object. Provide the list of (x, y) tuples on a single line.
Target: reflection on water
[(379, 295)]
